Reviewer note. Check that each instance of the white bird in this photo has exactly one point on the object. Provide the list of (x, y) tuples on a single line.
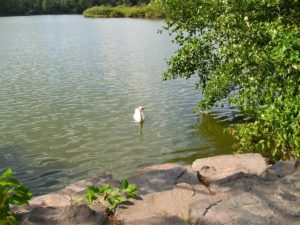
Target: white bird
[(138, 115)]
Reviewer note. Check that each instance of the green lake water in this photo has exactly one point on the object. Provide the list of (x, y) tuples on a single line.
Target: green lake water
[(68, 89)]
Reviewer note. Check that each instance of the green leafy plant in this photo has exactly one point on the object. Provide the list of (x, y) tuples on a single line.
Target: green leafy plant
[(152, 10), (11, 193), (109, 196), (248, 53)]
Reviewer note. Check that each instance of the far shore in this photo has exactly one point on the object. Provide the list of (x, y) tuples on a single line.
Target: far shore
[(121, 11)]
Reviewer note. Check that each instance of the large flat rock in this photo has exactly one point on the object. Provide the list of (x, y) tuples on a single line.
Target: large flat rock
[(251, 200), (219, 167), (166, 207), (242, 198), (244, 190)]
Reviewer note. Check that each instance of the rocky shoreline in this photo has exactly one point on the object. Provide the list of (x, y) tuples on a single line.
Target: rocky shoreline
[(229, 189)]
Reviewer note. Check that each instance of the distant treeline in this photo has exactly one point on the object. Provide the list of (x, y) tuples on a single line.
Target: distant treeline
[(151, 10), (36, 7)]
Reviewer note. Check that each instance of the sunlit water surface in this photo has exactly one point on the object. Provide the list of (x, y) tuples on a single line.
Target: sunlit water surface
[(68, 88)]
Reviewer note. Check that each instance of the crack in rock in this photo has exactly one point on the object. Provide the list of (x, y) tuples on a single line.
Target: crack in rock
[(210, 206)]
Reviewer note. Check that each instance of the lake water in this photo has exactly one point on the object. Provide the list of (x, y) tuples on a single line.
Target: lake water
[(68, 89)]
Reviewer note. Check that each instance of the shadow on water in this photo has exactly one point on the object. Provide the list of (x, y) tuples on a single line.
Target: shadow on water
[(36, 176), (216, 141)]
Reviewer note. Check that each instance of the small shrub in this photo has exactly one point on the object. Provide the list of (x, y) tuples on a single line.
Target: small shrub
[(116, 14), (137, 14), (98, 11), (152, 10), (11, 193), (110, 196)]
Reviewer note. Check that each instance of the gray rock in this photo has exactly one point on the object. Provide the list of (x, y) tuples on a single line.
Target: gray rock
[(243, 190), (161, 206), (241, 197), (162, 177), (278, 170), (250, 199), (74, 214), (220, 167), (59, 208)]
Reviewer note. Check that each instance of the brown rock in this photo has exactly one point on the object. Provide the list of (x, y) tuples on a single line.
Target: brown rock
[(278, 170), (75, 214), (51, 200), (243, 197), (220, 167), (171, 194), (250, 199), (162, 177), (59, 208), (167, 207)]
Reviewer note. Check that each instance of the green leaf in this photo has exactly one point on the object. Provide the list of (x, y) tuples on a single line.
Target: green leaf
[(130, 196), (91, 194), (11, 193), (297, 143), (105, 189), (124, 184), (7, 174), (111, 195), (274, 152)]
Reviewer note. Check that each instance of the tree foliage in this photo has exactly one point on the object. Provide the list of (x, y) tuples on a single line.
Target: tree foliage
[(246, 52), (27, 7)]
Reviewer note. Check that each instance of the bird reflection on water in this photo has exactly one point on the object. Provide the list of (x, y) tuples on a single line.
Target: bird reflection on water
[(141, 124)]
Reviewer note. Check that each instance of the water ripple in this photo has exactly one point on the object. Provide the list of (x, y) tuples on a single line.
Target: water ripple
[(67, 94)]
